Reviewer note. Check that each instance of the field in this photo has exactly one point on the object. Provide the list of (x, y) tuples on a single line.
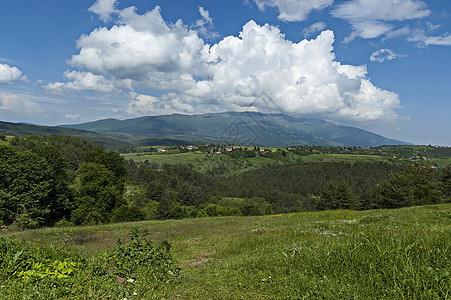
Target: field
[(377, 254), (203, 162)]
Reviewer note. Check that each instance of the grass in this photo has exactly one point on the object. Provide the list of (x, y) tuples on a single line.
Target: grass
[(203, 162), (442, 162), (351, 158), (378, 254)]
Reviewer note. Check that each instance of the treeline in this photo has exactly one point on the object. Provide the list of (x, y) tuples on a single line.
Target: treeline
[(290, 188), (62, 180), (340, 185)]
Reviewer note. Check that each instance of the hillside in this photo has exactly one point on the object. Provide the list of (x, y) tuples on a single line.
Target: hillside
[(378, 254), (21, 130), (239, 128)]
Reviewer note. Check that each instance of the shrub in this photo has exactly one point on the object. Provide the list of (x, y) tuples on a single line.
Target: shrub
[(64, 223), (141, 255), (213, 210), (127, 213)]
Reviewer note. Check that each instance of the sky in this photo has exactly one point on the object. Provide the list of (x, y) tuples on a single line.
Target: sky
[(380, 65)]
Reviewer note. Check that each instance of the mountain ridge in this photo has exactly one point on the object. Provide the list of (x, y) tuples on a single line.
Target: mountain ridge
[(240, 128)]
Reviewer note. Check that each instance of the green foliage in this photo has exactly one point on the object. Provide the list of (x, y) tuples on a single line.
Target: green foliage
[(31, 270), (415, 186), (73, 149), (339, 254), (127, 213), (139, 255), (337, 195), (269, 210), (56, 269), (97, 194), (64, 223), (213, 210), (25, 261), (445, 183), (33, 188)]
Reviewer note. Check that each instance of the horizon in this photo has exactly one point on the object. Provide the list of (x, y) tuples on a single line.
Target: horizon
[(380, 66)]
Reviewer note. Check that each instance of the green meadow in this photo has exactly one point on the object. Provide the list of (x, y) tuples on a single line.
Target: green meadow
[(341, 254), (203, 162)]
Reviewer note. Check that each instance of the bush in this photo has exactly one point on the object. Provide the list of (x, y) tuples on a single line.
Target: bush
[(127, 213), (140, 255), (64, 223), (213, 210)]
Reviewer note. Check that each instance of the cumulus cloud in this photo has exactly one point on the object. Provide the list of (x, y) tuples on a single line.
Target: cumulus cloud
[(371, 19), (147, 52), (86, 81), (18, 103), (104, 8), (9, 75), (382, 55), (313, 29), (143, 48), (294, 10), (302, 78)]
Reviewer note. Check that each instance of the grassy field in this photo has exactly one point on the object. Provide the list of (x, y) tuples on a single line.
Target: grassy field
[(203, 162), (378, 254)]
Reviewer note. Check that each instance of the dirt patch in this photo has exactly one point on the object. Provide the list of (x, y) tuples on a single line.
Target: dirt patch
[(197, 261)]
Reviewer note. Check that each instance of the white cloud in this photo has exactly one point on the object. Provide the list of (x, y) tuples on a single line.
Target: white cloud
[(370, 19), (302, 78), (404, 31), (18, 103), (9, 75), (143, 48), (294, 10), (432, 27), (104, 8), (382, 55), (86, 81), (426, 40), (205, 15), (72, 116), (204, 26), (313, 29)]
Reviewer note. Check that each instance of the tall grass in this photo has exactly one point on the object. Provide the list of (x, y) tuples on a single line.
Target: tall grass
[(380, 254)]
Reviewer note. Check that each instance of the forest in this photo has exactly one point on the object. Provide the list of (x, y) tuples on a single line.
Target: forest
[(61, 180)]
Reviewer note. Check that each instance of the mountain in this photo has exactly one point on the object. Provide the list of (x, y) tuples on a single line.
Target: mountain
[(238, 128)]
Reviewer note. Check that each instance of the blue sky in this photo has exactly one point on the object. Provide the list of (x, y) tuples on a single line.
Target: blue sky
[(381, 65)]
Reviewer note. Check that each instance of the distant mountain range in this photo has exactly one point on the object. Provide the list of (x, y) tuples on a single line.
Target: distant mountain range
[(238, 128)]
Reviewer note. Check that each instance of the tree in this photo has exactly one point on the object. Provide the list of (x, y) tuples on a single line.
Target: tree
[(97, 194), (26, 182), (337, 195), (417, 185), (445, 182)]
